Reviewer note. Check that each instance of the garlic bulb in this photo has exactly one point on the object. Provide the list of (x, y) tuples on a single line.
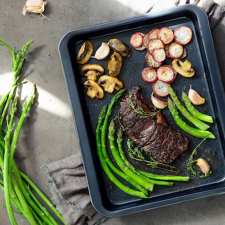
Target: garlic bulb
[(195, 97), (203, 166), (34, 6), (102, 52)]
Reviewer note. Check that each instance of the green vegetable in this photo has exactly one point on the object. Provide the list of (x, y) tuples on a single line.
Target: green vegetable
[(185, 127), (194, 111), (102, 153), (21, 194), (131, 167), (196, 122), (139, 179)]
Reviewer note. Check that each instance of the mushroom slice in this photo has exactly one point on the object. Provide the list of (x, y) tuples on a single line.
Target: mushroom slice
[(93, 89), (91, 75), (110, 83), (115, 64), (96, 67), (85, 52), (184, 68), (119, 46)]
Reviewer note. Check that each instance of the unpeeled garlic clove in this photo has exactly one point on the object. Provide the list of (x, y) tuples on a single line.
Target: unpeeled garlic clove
[(102, 52), (34, 6), (203, 166), (195, 97)]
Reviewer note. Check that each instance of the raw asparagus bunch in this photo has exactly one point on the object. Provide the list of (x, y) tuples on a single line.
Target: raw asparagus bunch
[(22, 195)]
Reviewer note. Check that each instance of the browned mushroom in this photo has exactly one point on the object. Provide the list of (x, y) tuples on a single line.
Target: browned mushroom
[(110, 83), (93, 89), (115, 64), (85, 52)]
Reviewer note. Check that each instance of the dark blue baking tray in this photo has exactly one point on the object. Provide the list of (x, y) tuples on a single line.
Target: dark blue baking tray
[(106, 198)]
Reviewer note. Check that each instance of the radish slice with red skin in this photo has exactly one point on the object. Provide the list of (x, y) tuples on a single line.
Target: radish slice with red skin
[(146, 40), (166, 35), (184, 54), (153, 34), (166, 74), (160, 88), (157, 102), (149, 75), (151, 61), (155, 44), (175, 50), (167, 51), (183, 35), (159, 55), (142, 48), (137, 39)]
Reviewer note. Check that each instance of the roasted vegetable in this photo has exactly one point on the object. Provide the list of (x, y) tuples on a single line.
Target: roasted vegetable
[(149, 75), (158, 103), (96, 67), (119, 47), (115, 64), (91, 75), (194, 111), (109, 83), (195, 97), (85, 52), (102, 52), (203, 166), (184, 68), (166, 35), (183, 35), (160, 88), (185, 127), (93, 89), (195, 121), (137, 40)]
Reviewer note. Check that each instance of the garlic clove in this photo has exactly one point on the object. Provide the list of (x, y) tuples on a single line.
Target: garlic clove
[(102, 52), (203, 166), (34, 6), (195, 97), (158, 103)]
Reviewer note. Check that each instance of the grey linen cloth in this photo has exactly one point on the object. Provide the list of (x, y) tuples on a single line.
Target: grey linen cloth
[(66, 177)]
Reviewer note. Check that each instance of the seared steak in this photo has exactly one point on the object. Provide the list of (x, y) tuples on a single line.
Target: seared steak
[(148, 131)]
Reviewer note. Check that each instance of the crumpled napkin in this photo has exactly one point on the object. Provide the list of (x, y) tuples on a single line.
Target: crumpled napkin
[(66, 177)]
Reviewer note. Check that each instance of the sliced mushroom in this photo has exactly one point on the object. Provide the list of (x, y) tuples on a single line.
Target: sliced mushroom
[(85, 52), (119, 46), (184, 68), (102, 52), (110, 83), (93, 89), (96, 67), (115, 64), (91, 75)]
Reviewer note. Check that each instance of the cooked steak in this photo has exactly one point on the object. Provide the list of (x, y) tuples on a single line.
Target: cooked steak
[(149, 130)]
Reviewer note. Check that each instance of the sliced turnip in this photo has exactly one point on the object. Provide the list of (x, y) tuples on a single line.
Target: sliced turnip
[(137, 39), (166, 74), (160, 88), (151, 61), (159, 55), (183, 35), (158, 103), (155, 44), (149, 74), (166, 35), (175, 50)]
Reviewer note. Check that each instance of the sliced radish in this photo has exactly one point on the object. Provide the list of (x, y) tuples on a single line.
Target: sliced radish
[(166, 74), (160, 88), (155, 44), (137, 39), (146, 40), (149, 74), (142, 48), (175, 50), (153, 34), (158, 103), (184, 55), (167, 51), (151, 61), (183, 35), (159, 55), (166, 35)]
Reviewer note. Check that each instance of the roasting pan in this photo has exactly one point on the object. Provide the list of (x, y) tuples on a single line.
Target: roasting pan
[(105, 197)]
